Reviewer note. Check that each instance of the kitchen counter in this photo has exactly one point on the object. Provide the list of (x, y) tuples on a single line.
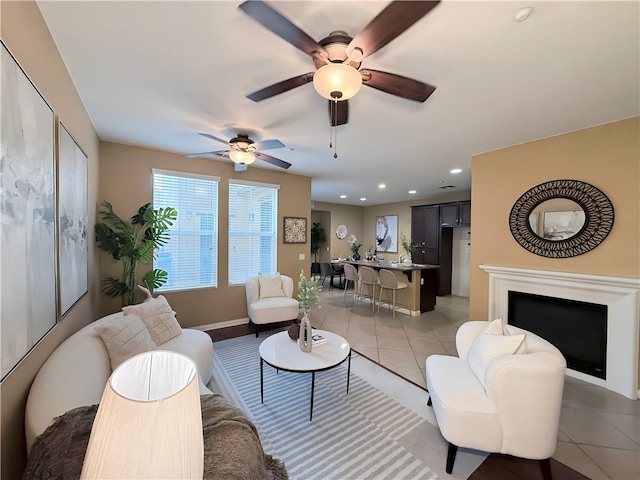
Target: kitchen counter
[(421, 279)]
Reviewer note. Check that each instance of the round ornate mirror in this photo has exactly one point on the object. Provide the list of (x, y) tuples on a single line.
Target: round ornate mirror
[(561, 218)]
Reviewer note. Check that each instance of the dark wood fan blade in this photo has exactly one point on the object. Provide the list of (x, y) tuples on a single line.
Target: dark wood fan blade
[(208, 135), (397, 85), (269, 144), (272, 160), (273, 20), (338, 112), (281, 87), (397, 17)]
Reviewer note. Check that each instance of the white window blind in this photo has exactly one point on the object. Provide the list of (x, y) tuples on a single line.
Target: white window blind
[(191, 255), (253, 230)]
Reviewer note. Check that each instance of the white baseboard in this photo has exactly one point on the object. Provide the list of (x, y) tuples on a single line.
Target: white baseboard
[(225, 324)]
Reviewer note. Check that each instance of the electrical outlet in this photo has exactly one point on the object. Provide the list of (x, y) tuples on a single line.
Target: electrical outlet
[(301, 256)]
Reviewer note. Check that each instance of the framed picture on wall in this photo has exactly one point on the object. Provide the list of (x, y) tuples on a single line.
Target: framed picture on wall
[(28, 191), (73, 219), (387, 233), (295, 230)]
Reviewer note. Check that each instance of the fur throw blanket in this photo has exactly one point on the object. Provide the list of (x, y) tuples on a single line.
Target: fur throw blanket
[(232, 448)]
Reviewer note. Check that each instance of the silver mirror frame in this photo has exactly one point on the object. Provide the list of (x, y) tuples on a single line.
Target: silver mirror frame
[(599, 216)]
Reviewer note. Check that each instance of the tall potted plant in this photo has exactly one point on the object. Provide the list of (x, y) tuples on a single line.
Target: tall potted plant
[(318, 237), (132, 242)]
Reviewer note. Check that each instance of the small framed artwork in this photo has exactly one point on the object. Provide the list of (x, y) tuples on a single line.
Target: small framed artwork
[(387, 233), (295, 230)]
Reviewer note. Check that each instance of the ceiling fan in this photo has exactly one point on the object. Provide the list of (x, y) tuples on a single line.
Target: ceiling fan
[(339, 56), (243, 151)]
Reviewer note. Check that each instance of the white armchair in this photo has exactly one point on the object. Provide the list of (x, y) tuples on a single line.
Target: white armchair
[(504, 402), (270, 301)]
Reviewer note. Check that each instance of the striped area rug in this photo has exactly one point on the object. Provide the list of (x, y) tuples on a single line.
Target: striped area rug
[(352, 436)]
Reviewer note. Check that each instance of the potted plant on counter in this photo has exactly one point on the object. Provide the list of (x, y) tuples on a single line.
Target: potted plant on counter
[(408, 246), (355, 246)]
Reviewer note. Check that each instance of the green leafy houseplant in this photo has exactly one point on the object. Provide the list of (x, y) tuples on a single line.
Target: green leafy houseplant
[(407, 244), (308, 292), (132, 242), (318, 237)]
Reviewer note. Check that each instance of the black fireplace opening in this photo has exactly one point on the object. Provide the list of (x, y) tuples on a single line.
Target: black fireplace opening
[(577, 329)]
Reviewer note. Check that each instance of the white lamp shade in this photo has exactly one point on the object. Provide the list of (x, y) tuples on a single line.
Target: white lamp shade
[(337, 77), (238, 156), (149, 421)]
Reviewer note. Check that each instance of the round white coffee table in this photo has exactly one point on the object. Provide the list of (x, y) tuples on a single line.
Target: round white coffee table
[(282, 353)]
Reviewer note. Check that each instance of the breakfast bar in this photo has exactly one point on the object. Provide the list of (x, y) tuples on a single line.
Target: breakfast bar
[(421, 280)]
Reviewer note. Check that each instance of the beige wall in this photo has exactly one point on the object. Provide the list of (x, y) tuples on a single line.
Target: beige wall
[(25, 34), (348, 215), (126, 182), (606, 156)]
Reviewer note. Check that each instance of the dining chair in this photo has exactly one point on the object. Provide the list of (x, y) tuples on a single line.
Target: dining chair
[(389, 281), (368, 278)]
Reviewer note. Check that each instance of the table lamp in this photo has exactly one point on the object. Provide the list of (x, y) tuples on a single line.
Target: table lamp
[(149, 421)]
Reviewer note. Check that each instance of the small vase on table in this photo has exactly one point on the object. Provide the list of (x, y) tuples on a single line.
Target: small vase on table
[(305, 340)]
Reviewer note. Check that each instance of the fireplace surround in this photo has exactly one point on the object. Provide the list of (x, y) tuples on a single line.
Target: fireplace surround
[(620, 295)]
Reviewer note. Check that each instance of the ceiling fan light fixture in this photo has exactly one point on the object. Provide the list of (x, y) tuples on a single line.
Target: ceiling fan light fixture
[(239, 156), (337, 81)]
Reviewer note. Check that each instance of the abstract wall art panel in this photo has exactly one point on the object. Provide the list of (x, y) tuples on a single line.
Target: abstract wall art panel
[(72, 219), (27, 215)]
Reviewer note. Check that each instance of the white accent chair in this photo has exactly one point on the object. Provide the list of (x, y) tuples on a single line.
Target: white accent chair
[(513, 409), (389, 281), (271, 309)]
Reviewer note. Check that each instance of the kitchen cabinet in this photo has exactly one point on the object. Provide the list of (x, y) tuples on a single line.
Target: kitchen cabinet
[(431, 229), (455, 214)]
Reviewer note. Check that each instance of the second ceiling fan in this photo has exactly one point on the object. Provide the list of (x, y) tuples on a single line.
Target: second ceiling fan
[(338, 57)]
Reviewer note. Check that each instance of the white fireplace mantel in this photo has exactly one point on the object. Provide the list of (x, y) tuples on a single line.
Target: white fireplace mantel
[(620, 295)]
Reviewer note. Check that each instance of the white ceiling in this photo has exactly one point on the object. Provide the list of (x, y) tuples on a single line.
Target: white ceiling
[(155, 74)]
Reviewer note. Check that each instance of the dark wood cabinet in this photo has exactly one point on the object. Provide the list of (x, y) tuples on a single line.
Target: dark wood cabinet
[(432, 229), (456, 214)]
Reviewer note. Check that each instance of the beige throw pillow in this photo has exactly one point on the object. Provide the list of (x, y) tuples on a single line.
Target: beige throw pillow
[(487, 347), (270, 286), (125, 337), (159, 318)]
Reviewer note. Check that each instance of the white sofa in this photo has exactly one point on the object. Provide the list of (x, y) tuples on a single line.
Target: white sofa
[(511, 407), (76, 373), (272, 309)]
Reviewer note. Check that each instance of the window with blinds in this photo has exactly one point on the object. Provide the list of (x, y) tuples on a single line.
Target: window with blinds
[(191, 255), (253, 230)]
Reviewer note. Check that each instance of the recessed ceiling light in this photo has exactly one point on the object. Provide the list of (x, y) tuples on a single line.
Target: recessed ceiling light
[(522, 14), (456, 170), (343, 196), (382, 185), (362, 199), (412, 192)]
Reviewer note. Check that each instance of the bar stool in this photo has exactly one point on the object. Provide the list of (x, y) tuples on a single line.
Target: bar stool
[(369, 277), (389, 281), (350, 275)]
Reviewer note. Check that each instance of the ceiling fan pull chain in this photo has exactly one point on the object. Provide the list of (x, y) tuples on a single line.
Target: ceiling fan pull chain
[(335, 128)]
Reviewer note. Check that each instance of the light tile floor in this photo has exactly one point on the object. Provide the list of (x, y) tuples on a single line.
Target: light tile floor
[(599, 433)]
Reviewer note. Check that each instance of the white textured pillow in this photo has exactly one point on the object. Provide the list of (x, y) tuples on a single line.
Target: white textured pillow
[(270, 286), (159, 318), (125, 337), (487, 347), (496, 328)]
